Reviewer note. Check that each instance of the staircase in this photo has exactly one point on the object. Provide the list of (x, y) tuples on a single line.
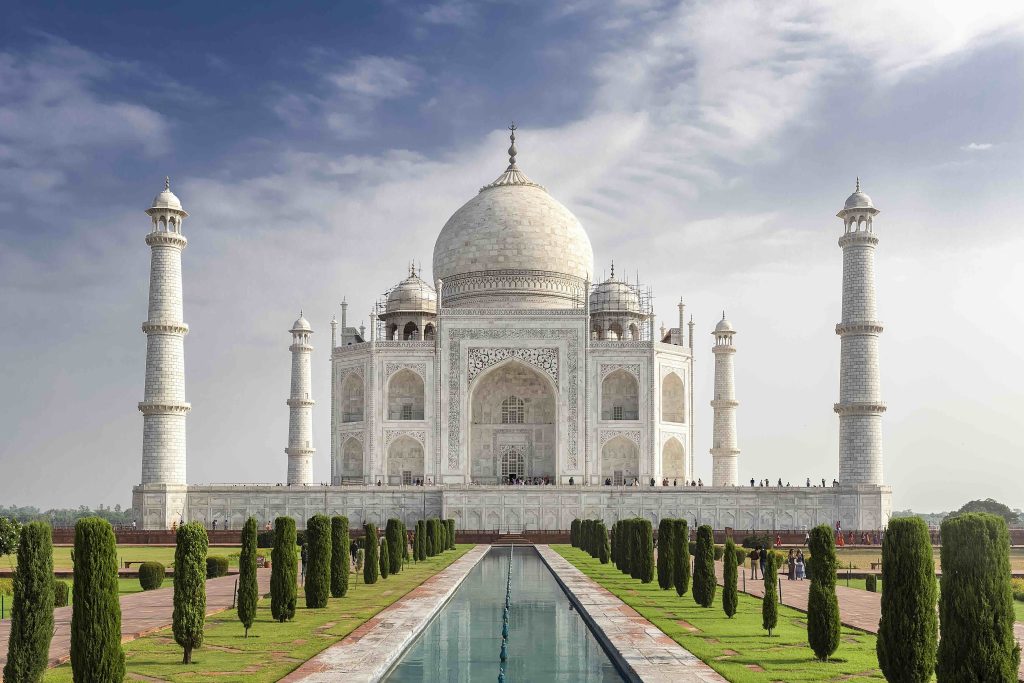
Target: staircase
[(511, 536)]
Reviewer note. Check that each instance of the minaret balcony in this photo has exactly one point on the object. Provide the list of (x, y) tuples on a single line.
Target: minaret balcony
[(860, 327), (162, 408), (162, 327), (300, 402), (168, 239), (859, 408)]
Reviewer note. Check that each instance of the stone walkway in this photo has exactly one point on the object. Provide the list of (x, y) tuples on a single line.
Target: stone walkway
[(643, 648), (367, 653), (141, 613)]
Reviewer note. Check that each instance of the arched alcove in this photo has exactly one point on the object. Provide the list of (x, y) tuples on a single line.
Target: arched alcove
[(620, 461), (351, 466), (620, 396), (405, 396), (410, 331), (673, 461), (352, 398), (673, 399), (405, 461)]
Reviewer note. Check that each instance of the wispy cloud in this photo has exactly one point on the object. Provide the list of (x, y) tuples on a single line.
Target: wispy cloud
[(376, 78), (977, 146), (449, 13)]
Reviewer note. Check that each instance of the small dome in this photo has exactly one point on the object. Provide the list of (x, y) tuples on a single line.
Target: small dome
[(412, 295), (301, 324), (166, 199), (614, 296), (724, 325), (858, 200)]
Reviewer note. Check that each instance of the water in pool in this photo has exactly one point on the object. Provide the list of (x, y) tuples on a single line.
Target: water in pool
[(547, 640)]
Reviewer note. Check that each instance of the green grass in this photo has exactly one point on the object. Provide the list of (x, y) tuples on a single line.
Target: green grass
[(1018, 609), (145, 553), (863, 557), (856, 583), (737, 648), (272, 649)]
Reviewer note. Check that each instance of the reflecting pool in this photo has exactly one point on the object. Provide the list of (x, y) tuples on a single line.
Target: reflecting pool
[(547, 641)]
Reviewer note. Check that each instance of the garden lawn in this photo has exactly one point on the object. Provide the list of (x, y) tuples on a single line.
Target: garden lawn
[(737, 648), (1018, 609), (146, 553), (272, 649)]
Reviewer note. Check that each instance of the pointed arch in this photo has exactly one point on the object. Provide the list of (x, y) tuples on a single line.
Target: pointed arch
[(352, 398), (620, 396), (673, 399), (620, 461), (405, 461), (673, 461), (405, 396), (350, 463)]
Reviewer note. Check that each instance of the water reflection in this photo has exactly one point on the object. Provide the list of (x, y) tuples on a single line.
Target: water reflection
[(548, 640)]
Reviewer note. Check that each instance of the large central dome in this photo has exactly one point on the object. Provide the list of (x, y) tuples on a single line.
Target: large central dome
[(513, 245)]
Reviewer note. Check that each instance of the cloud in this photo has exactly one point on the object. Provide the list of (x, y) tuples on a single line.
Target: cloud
[(449, 13), (376, 78), (977, 146)]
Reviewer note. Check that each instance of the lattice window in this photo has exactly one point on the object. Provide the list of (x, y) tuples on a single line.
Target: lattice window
[(407, 412), (513, 411), (617, 413), (407, 477), (512, 462)]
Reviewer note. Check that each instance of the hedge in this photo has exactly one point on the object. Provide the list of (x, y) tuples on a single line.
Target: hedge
[(823, 626), (574, 533), (248, 586), (871, 581), (420, 541), (61, 593), (216, 566), (189, 618), (681, 556), (151, 575), (451, 533), (665, 568), (318, 559), (604, 552), (371, 565), (32, 610), (340, 563), (284, 569), (96, 653), (976, 601)]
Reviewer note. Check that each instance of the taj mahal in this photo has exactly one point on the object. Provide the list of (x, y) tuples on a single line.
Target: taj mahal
[(513, 364)]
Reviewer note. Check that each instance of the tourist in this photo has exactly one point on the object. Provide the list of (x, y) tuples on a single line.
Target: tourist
[(664, 482), (303, 556), (133, 525), (570, 481), (675, 482), (693, 484), (751, 482), (807, 538), (762, 559), (800, 565), (607, 481), (214, 524), (823, 482), (778, 540), (700, 482), (808, 482), (792, 565), (780, 482), (755, 556), (380, 483)]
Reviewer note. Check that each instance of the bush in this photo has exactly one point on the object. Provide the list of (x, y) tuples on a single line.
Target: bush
[(730, 595), (755, 541), (318, 558), (439, 543), (32, 609), (574, 533), (665, 546), (908, 628), (822, 606), (339, 556), (645, 550), (216, 566), (770, 603), (265, 539), (604, 553), (1017, 586), (704, 582), (393, 536), (248, 587), (681, 556), (151, 575), (371, 567), (96, 653), (420, 541), (871, 581), (741, 555), (385, 559), (61, 593), (190, 587), (976, 601), (284, 569), (451, 533), (431, 537), (719, 552)]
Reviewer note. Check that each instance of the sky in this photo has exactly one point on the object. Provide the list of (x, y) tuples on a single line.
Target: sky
[(319, 148)]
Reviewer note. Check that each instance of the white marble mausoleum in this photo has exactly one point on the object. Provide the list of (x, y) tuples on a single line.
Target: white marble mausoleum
[(512, 363)]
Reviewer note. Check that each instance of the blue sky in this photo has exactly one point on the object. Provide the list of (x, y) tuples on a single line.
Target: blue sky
[(706, 144)]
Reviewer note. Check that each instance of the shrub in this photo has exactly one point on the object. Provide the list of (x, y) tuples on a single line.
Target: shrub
[(151, 575), (61, 593), (284, 569), (318, 559), (371, 567), (32, 609), (431, 537), (339, 556), (756, 541), (96, 653), (438, 537), (822, 606), (719, 552), (741, 555), (681, 556), (665, 554), (216, 566), (871, 583), (393, 537), (976, 601), (908, 628), (605, 551), (7, 586), (248, 587), (730, 596), (704, 581), (770, 603), (1017, 586), (420, 542), (645, 550), (385, 559), (574, 533), (190, 587), (451, 533), (265, 539)]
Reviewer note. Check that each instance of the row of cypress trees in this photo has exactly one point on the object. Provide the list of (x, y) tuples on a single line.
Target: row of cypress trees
[(632, 548), (591, 535)]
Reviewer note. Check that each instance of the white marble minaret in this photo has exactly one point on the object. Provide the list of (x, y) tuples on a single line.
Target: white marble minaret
[(724, 451), (163, 406), (300, 407), (860, 404)]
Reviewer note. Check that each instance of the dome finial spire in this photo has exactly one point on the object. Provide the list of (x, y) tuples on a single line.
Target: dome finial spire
[(167, 182), (613, 269), (858, 184), (512, 147)]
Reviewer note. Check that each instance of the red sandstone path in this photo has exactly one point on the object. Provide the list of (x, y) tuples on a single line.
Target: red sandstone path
[(141, 613), (857, 608)]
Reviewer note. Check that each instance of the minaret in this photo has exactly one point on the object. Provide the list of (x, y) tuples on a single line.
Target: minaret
[(163, 406), (724, 450), (860, 404), (300, 407)]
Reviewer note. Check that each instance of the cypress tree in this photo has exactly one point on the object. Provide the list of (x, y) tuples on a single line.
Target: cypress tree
[(429, 538), (908, 628), (438, 537), (975, 601), (585, 535), (339, 556), (574, 531), (627, 546), (730, 596), (248, 587), (189, 616), (385, 558), (96, 653), (770, 604), (704, 582), (605, 550), (421, 540), (442, 527), (284, 569), (371, 567), (823, 626), (451, 533), (681, 556), (318, 559), (645, 540), (665, 568), (28, 645), (611, 540), (405, 544), (393, 535)]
